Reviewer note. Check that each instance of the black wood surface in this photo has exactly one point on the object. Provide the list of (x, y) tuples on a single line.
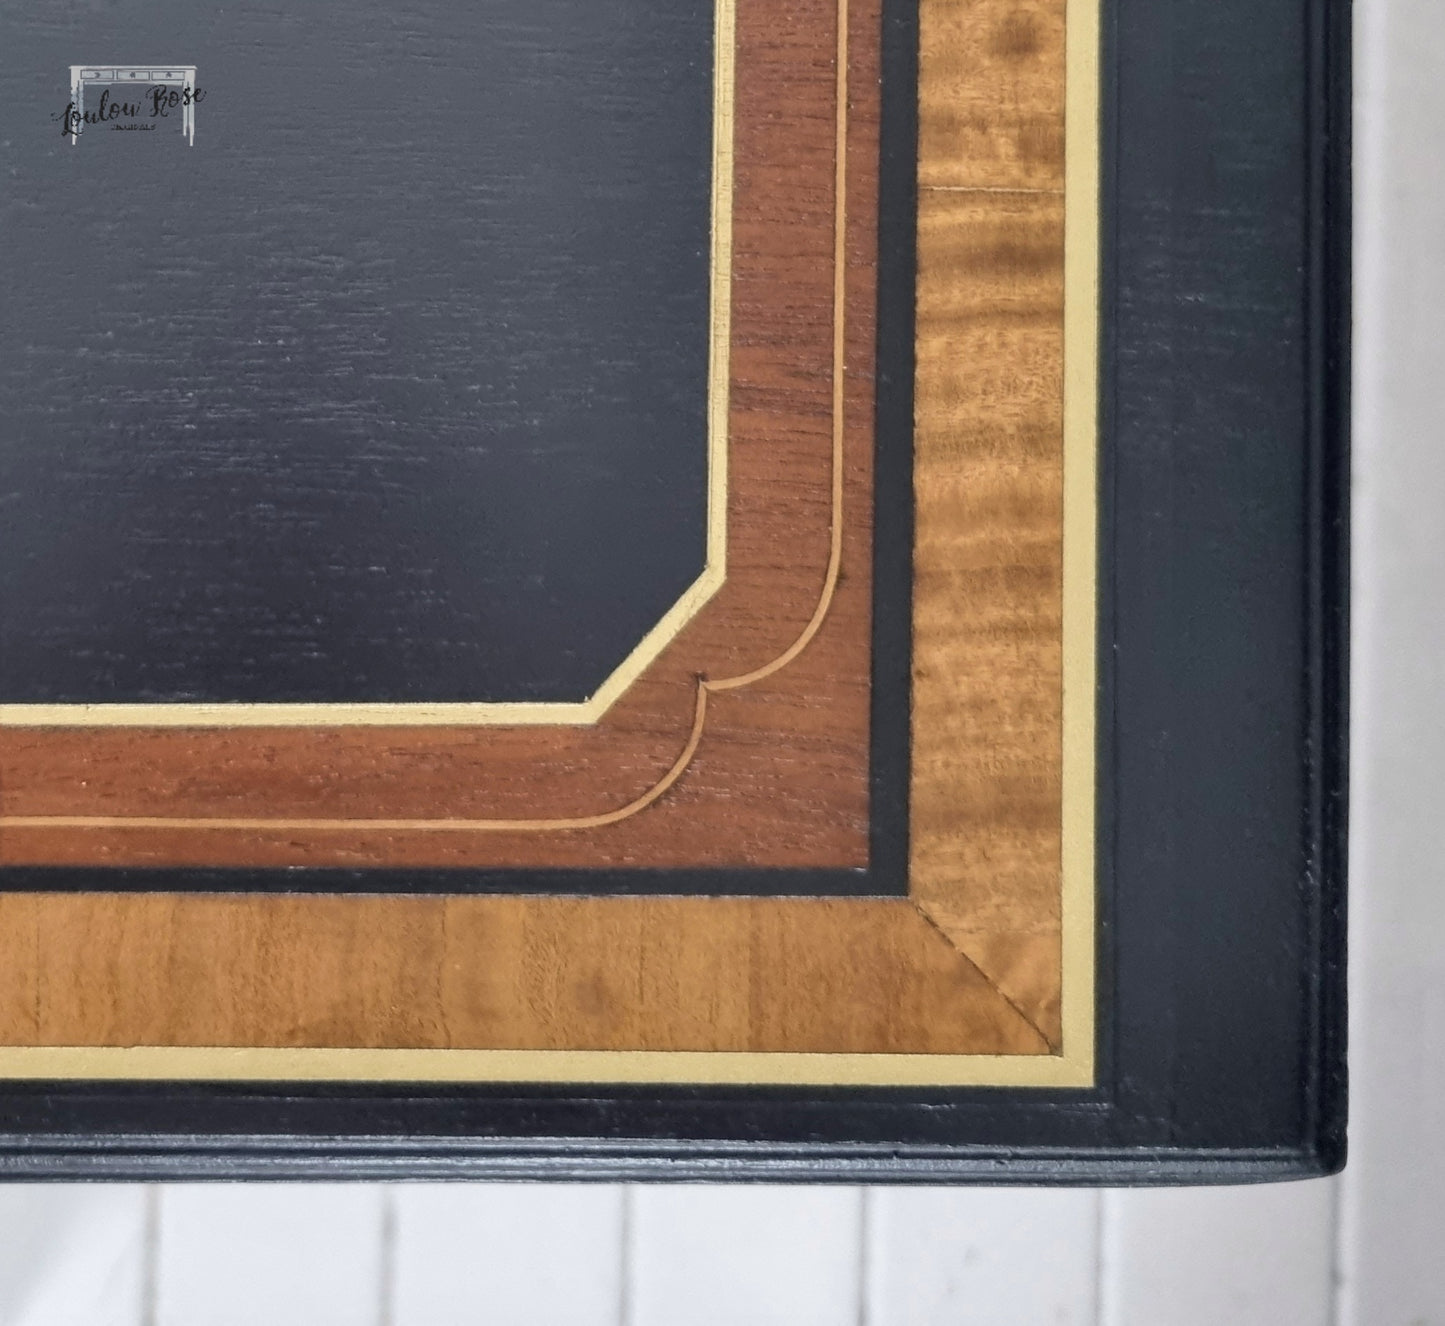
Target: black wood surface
[(1222, 748), (392, 388)]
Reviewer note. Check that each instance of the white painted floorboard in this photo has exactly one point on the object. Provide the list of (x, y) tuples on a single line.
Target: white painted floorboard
[(511, 1254), (269, 1255), (992, 1256), (744, 1256), (1256, 1256), (1392, 1231), (72, 1255)]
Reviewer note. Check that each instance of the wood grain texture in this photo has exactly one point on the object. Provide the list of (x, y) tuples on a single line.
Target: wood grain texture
[(991, 94), (969, 965), (498, 972), (988, 483), (988, 480)]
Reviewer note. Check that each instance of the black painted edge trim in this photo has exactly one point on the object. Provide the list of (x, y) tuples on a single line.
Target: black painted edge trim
[(369, 1160), (891, 697), (1329, 255)]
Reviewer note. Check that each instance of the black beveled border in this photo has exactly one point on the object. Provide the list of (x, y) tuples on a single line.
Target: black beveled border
[(1222, 734)]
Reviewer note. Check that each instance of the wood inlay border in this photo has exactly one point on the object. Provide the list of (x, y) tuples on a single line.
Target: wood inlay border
[(508, 796), (706, 686), (983, 975)]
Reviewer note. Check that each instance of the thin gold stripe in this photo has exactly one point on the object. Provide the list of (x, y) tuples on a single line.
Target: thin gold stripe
[(840, 368), (420, 714), (301, 825), (1081, 500), (226, 1063)]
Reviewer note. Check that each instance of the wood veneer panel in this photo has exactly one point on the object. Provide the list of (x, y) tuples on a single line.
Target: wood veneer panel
[(991, 94), (988, 484), (938, 974), (533, 973)]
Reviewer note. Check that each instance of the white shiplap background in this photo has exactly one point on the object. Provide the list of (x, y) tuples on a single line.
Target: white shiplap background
[(1367, 1249)]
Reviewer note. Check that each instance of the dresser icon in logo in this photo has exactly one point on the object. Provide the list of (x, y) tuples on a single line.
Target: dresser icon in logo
[(157, 90)]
